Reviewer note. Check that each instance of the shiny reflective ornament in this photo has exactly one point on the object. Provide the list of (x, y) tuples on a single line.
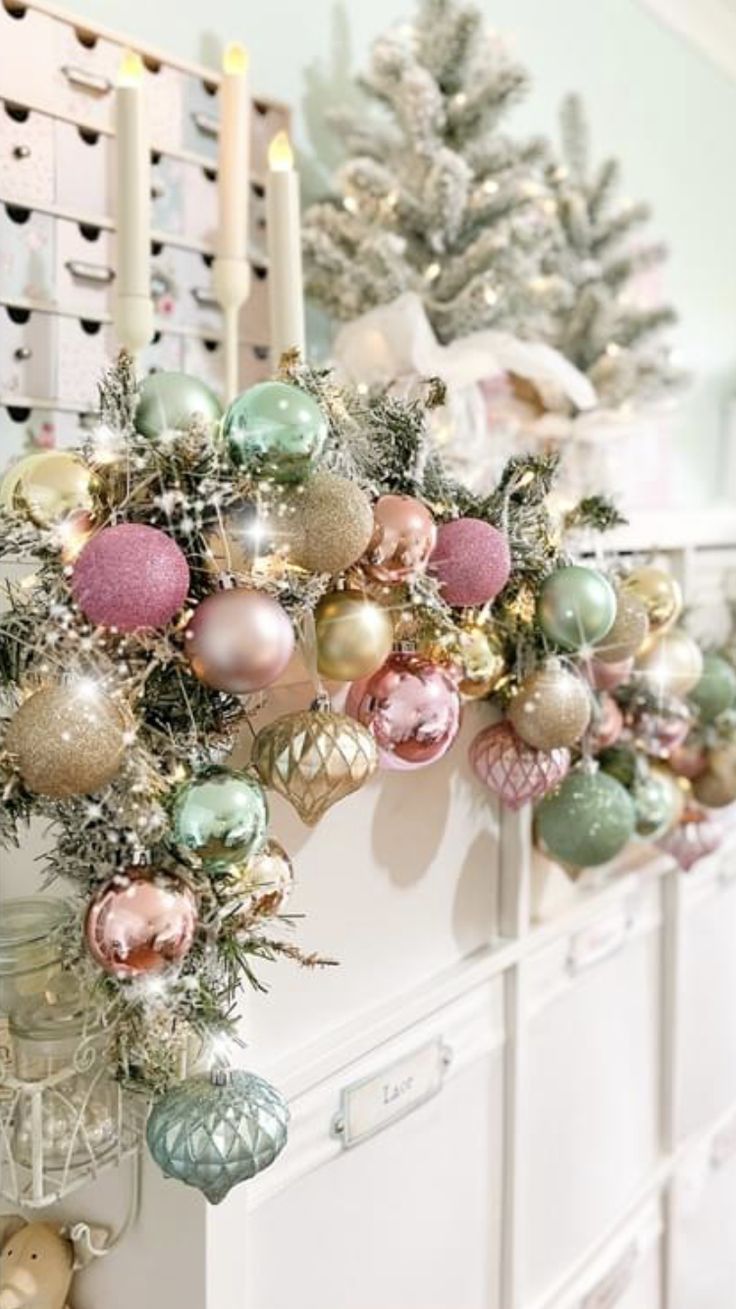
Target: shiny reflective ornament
[(716, 787), (14, 474), (471, 561), (313, 758), (67, 740), (130, 577), (140, 922), (172, 402), (576, 607), (629, 631), (654, 804), (512, 770), (606, 677), (221, 816), (239, 641), (715, 692), (587, 821), (659, 593), (677, 788), (72, 534), (551, 708), (481, 660), (329, 524), (263, 883), (688, 760), (244, 535), (412, 708), (696, 836), (404, 537), (50, 486), (661, 730), (354, 635), (607, 724), (215, 1130), (622, 762), (275, 430), (671, 665)]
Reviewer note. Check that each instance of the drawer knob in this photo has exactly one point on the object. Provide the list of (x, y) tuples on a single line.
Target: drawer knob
[(89, 272), (22, 354), (87, 81), (21, 152), (204, 298)]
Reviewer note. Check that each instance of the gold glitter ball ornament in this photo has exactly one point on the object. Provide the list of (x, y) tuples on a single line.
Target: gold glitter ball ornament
[(629, 631), (659, 593), (552, 708), (329, 524), (51, 486), (67, 740), (354, 635), (314, 758)]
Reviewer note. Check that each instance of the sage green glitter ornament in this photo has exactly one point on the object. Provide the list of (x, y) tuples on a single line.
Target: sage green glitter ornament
[(217, 1129), (171, 402), (715, 692), (221, 816), (576, 607), (275, 430), (587, 821)]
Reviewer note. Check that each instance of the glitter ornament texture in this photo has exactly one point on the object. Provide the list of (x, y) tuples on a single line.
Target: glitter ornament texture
[(140, 923), (313, 758), (172, 402), (239, 640), (412, 708), (264, 883), (587, 821), (659, 592), (329, 524), (51, 485), (471, 561), (671, 665), (221, 816), (275, 430), (354, 635), (551, 709), (576, 607), (130, 577), (715, 691), (512, 770), (217, 1129), (629, 630), (404, 536), (67, 740)]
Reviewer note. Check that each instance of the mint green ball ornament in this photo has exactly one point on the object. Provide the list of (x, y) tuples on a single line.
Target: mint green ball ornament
[(275, 430), (715, 691), (221, 816), (587, 820), (576, 607), (172, 402), (654, 806)]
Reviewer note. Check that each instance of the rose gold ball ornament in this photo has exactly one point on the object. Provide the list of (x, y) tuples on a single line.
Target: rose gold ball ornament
[(551, 708), (329, 524), (140, 923), (412, 708), (607, 725), (671, 665), (67, 740), (659, 593), (239, 641), (629, 631), (51, 485), (354, 635), (689, 759), (606, 677), (716, 787), (264, 883), (404, 537)]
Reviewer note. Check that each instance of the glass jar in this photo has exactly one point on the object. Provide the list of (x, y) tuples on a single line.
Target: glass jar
[(30, 955), (55, 1038)]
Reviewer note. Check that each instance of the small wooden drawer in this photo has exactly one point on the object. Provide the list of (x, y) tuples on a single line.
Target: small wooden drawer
[(27, 352), (84, 76), (200, 116), (27, 253), (254, 316), (24, 429), (28, 44), (84, 170), (26, 156), (184, 198), (85, 348), (85, 268), (164, 354), (205, 358), (162, 87), (254, 363), (267, 120), (182, 289)]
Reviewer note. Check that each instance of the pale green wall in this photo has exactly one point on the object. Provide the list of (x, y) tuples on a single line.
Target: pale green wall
[(653, 99)]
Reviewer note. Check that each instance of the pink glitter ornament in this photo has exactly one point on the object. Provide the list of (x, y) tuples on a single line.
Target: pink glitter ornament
[(471, 561), (606, 677), (130, 577), (412, 708), (239, 640), (695, 837), (512, 770)]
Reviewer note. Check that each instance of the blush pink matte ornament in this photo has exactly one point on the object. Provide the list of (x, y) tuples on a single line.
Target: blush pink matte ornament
[(607, 726), (140, 923), (471, 562), (606, 677), (403, 538), (692, 839), (239, 641), (129, 577), (412, 708), (512, 770)]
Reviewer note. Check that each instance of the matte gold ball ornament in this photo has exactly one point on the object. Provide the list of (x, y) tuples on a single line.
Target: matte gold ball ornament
[(671, 665), (329, 522), (552, 708), (67, 740), (313, 758), (659, 592), (50, 486), (354, 635)]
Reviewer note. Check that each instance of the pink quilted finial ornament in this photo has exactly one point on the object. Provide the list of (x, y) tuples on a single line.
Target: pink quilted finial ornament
[(695, 837), (512, 770)]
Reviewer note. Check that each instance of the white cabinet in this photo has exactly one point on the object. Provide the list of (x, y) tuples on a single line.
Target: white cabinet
[(704, 1236)]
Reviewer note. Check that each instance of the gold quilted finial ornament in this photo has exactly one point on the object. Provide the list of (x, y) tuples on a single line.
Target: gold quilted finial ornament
[(314, 758)]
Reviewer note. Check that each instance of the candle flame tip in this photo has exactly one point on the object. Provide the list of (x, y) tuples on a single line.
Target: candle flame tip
[(235, 58), (131, 69), (280, 153)]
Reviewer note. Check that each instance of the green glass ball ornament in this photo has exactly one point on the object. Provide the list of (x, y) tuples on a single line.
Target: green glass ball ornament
[(217, 1129), (715, 692), (221, 816), (171, 402), (654, 805), (587, 821), (275, 430), (576, 607)]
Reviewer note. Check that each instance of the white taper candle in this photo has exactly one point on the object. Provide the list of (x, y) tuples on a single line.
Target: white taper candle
[(232, 267), (133, 306), (286, 291)]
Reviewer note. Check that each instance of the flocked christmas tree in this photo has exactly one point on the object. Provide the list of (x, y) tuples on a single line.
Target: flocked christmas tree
[(609, 332), (433, 197)]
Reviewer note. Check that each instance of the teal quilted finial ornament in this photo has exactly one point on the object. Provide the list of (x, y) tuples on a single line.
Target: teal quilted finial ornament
[(217, 1129), (275, 430)]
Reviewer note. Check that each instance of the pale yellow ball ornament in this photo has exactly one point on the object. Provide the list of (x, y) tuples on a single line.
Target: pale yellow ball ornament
[(660, 594), (51, 486), (354, 635), (670, 665)]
